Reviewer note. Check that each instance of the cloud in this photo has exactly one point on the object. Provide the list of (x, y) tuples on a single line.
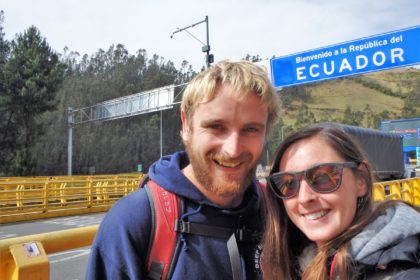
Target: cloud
[(236, 27)]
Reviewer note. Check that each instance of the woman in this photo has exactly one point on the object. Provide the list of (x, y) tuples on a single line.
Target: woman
[(321, 222)]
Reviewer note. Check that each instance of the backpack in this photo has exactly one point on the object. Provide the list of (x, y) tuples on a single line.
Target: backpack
[(164, 243)]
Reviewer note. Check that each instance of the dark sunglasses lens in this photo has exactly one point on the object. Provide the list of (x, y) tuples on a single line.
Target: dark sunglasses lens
[(324, 178), (286, 184)]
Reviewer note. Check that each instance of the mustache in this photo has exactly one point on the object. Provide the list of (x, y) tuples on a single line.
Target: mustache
[(225, 158)]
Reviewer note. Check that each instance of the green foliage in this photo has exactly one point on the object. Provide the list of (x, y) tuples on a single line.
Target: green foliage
[(32, 74), (37, 86), (5, 141), (412, 103), (370, 83), (304, 117), (4, 44), (252, 58), (296, 93), (115, 146)]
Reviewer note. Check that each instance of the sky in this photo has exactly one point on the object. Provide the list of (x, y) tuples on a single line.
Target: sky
[(236, 28)]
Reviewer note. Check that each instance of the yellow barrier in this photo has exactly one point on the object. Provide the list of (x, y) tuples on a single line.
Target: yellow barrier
[(406, 189), (28, 198), (17, 258), (26, 257)]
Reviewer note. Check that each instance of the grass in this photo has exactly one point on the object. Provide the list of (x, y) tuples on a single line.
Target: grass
[(335, 96)]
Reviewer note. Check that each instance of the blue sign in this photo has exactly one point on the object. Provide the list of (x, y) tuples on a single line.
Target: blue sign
[(390, 50)]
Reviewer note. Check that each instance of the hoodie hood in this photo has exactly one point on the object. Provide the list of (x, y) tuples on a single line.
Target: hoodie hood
[(167, 173), (392, 236)]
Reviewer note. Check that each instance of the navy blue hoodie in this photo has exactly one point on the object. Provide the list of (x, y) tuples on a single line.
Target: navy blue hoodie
[(121, 244)]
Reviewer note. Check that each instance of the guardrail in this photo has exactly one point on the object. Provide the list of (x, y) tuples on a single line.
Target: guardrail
[(406, 189), (26, 257), (28, 198)]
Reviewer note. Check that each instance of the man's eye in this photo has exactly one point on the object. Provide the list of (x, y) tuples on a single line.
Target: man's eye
[(215, 126), (252, 129)]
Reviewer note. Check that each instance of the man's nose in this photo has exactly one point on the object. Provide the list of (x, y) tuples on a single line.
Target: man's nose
[(232, 145)]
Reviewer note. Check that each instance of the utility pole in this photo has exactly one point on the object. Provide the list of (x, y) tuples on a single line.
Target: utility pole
[(70, 124), (206, 47)]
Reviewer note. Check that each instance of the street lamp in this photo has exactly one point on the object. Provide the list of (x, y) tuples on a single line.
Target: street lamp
[(206, 47)]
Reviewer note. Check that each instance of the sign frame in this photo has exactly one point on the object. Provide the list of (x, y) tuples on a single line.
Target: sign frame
[(369, 54)]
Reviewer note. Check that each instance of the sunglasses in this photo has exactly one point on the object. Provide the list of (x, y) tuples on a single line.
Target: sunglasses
[(322, 178)]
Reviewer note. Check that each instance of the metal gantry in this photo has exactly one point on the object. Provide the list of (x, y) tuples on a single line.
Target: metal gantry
[(158, 99)]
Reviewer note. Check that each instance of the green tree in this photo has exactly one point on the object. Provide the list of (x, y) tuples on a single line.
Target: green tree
[(352, 117), (119, 145), (4, 44), (304, 117), (412, 102), (252, 58), (32, 75), (6, 141)]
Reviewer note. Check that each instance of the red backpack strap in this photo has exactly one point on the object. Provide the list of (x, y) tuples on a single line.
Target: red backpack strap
[(143, 181), (164, 240)]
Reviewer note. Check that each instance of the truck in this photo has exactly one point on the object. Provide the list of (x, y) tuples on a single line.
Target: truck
[(384, 151)]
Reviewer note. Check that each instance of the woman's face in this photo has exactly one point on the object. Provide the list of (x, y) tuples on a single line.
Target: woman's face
[(321, 217)]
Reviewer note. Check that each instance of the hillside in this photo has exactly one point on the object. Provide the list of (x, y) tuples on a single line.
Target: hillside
[(381, 93)]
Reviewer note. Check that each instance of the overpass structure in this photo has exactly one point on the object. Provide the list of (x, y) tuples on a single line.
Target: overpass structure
[(127, 106)]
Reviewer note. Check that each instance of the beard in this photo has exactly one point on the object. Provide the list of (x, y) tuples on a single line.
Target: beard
[(227, 185)]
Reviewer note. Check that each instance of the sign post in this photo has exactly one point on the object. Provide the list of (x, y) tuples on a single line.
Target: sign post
[(375, 53)]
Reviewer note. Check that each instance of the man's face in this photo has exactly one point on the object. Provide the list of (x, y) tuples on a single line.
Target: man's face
[(224, 142)]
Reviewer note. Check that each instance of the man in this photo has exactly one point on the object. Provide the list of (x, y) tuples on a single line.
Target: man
[(226, 112)]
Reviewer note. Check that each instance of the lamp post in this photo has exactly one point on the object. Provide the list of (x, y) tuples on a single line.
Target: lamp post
[(70, 124), (206, 47)]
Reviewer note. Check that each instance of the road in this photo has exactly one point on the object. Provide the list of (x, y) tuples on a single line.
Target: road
[(68, 265)]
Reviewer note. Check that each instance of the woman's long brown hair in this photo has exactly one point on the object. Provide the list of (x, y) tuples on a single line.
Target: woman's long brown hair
[(284, 242)]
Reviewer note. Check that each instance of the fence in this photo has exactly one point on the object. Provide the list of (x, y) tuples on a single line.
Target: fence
[(17, 260), (25, 258), (406, 189), (28, 198)]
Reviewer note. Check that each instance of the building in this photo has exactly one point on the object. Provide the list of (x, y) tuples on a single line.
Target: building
[(409, 129)]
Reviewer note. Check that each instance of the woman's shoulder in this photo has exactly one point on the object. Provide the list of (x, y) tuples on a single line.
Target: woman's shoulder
[(390, 244), (395, 273), (396, 217)]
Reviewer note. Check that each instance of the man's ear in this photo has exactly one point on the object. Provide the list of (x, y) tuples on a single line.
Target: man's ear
[(362, 187), (185, 127)]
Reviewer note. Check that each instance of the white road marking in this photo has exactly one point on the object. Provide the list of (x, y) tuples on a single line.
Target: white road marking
[(5, 236), (83, 252), (78, 221)]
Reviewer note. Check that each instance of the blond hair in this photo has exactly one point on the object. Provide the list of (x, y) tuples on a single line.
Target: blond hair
[(242, 76)]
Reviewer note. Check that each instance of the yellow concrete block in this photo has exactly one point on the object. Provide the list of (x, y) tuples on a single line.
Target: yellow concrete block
[(31, 261)]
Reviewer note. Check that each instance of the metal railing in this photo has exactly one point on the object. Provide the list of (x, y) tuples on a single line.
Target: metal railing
[(28, 198), (405, 189), (25, 257), (16, 261)]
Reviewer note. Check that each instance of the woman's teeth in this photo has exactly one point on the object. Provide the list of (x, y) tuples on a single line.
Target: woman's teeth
[(316, 215)]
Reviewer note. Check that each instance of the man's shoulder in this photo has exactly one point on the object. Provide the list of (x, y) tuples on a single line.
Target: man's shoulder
[(130, 213), (134, 202)]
